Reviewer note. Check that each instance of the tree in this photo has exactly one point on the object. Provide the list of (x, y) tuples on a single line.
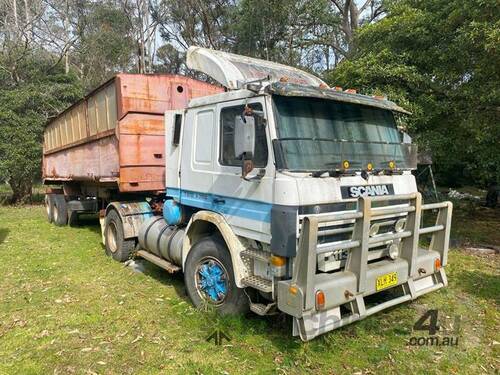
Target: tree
[(441, 60), (352, 15), (105, 44), (38, 91), (204, 23), (170, 60)]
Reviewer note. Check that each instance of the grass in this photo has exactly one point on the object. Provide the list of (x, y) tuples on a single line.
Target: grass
[(67, 308)]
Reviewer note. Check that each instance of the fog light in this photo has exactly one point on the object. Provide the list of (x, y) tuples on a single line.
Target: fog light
[(400, 225), (374, 230), (277, 261), (393, 251), (320, 300)]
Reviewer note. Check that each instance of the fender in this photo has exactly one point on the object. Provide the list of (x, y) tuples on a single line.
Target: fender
[(132, 214), (233, 243)]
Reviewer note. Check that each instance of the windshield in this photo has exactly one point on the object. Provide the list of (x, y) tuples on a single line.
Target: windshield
[(319, 134)]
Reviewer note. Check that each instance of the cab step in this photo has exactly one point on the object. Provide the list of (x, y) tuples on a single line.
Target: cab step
[(258, 283), (166, 265), (256, 254), (262, 309)]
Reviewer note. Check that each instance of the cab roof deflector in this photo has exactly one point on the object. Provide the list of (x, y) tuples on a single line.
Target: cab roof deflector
[(289, 89), (233, 71)]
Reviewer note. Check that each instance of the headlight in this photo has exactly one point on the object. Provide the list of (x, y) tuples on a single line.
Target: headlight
[(393, 251), (374, 230), (400, 225)]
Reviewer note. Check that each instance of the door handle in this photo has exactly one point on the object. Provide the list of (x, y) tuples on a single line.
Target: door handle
[(219, 200)]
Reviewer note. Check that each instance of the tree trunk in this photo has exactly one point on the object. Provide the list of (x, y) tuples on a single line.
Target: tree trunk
[(21, 190), (29, 28), (14, 13)]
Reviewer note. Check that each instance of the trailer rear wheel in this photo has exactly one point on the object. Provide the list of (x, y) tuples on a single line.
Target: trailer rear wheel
[(72, 218), (209, 278), (49, 207), (116, 246), (59, 210)]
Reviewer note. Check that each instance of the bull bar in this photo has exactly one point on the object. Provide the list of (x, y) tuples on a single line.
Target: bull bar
[(418, 271)]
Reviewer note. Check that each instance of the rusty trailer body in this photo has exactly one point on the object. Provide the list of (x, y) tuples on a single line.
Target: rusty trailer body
[(115, 136)]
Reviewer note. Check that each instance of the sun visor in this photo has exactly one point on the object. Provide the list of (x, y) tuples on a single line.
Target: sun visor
[(232, 70)]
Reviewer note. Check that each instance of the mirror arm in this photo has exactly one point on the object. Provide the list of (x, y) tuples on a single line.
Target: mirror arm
[(258, 176)]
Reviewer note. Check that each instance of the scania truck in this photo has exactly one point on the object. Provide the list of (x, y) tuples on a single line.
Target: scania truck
[(271, 192)]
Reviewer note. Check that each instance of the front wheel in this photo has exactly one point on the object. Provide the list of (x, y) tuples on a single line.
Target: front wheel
[(116, 245), (209, 278)]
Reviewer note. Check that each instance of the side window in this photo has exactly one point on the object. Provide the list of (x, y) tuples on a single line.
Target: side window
[(226, 155), (203, 136)]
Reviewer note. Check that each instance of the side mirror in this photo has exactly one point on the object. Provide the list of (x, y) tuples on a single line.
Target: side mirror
[(244, 142), (406, 138)]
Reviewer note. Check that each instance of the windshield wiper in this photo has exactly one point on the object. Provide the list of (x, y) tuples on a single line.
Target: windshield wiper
[(331, 173), (308, 139)]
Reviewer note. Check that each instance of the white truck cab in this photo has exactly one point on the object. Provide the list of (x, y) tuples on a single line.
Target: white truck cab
[(286, 195)]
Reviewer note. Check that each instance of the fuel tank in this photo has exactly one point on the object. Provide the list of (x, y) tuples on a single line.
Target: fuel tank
[(161, 239)]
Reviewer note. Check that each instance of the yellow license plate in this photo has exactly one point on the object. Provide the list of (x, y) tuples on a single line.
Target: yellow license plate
[(387, 280)]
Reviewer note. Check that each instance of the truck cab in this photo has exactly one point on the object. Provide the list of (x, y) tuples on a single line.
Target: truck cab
[(308, 189)]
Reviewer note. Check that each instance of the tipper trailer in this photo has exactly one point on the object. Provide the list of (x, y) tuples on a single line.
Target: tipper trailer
[(272, 193)]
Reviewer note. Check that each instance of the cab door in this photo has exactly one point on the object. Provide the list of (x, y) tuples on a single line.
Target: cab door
[(197, 160), (246, 205)]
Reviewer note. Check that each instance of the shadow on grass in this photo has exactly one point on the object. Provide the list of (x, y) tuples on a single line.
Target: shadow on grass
[(89, 222), (277, 328), (3, 234), (480, 284), (175, 280)]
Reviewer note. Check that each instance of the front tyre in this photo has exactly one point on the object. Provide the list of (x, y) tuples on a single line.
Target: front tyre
[(209, 277), (117, 246)]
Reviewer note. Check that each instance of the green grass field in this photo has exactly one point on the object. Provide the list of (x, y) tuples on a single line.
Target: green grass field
[(67, 308)]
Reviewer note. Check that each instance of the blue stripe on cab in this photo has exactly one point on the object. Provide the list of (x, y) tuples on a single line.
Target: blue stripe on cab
[(246, 208)]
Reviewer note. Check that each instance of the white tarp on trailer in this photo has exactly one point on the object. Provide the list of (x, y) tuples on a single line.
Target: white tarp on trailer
[(232, 70)]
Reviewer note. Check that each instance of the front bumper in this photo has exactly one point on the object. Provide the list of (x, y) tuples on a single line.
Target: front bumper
[(418, 270)]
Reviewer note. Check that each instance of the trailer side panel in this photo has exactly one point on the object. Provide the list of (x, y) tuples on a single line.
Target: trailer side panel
[(116, 133)]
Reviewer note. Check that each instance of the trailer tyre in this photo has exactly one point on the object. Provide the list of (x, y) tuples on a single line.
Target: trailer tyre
[(116, 246), (209, 278), (59, 210), (72, 218), (49, 207)]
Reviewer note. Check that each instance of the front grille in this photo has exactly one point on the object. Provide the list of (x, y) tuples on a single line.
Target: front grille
[(333, 232)]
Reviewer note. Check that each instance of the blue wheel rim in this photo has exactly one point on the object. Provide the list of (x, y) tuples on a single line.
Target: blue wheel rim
[(211, 280)]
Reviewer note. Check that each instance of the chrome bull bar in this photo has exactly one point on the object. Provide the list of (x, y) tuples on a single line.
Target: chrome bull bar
[(297, 296)]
